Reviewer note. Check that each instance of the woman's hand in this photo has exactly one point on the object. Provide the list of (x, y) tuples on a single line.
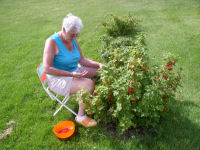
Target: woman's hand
[(79, 75), (101, 65)]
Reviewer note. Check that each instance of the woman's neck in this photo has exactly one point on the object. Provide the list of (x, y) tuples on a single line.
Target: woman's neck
[(64, 39)]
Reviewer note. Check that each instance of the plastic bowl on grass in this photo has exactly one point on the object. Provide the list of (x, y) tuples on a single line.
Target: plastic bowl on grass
[(64, 129)]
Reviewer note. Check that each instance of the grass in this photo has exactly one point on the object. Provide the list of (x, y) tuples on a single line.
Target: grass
[(171, 26)]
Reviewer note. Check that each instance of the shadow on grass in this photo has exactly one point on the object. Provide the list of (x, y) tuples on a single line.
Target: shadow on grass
[(176, 130)]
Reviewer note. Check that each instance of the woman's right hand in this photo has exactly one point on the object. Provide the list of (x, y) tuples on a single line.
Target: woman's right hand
[(79, 75)]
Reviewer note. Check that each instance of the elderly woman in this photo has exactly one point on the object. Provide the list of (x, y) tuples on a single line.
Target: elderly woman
[(66, 68)]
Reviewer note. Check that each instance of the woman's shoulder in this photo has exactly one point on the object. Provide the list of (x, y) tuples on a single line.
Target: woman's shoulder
[(51, 44), (52, 38), (50, 41)]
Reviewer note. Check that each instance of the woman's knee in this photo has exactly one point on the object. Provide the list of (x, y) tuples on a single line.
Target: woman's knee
[(90, 85)]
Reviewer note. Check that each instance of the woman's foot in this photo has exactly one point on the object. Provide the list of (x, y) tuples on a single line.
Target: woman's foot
[(85, 121)]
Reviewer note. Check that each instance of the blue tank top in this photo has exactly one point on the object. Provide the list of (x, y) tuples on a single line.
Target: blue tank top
[(65, 59)]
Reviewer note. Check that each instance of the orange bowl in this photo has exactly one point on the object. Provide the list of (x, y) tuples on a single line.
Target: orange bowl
[(64, 129)]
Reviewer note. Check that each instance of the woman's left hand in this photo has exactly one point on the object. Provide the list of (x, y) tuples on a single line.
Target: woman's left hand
[(101, 65)]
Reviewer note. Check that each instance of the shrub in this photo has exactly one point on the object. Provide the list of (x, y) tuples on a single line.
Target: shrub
[(132, 91), (120, 26)]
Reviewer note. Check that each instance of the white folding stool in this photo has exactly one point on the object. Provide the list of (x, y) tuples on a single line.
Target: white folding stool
[(63, 102)]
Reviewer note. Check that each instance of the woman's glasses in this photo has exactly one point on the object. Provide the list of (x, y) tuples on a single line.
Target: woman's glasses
[(73, 35)]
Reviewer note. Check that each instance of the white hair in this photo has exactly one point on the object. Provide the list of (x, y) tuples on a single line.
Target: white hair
[(72, 22)]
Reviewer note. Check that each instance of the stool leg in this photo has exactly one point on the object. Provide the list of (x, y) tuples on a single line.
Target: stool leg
[(63, 104)]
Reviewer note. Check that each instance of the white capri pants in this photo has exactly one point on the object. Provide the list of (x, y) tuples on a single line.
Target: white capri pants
[(62, 84)]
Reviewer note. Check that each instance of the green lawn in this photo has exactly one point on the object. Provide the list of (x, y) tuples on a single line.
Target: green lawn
[(171, 26)]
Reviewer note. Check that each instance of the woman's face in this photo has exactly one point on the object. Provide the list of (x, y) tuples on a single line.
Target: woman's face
[(71, 35)]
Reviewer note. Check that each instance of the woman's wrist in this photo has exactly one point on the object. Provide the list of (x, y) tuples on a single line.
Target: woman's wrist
[(72, 74)]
